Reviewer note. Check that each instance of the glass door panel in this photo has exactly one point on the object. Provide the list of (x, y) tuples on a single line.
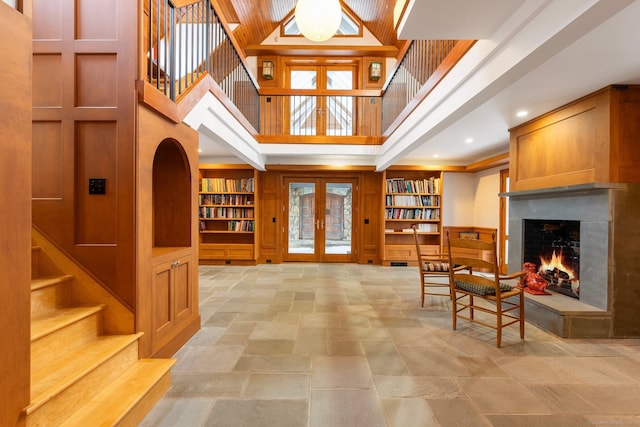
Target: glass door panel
[(338, 218), (301, 218), (320, 220)]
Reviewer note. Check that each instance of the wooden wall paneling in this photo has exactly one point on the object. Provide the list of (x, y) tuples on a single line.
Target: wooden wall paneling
[(158, 257), (96, 78), (96, 214), (47, 80), (47, 21), (96, 20), (271, 218), (591, 140), (625, 131), (86, 63), (370, 200), (15, 213), (47, 159)]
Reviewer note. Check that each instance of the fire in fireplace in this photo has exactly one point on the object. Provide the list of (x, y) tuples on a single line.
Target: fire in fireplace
[(553, 246)]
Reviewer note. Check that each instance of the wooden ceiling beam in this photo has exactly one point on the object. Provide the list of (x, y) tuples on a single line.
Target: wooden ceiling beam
[(310, 50)]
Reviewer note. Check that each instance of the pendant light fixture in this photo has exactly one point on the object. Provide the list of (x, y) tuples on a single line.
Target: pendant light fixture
[(318, 20)]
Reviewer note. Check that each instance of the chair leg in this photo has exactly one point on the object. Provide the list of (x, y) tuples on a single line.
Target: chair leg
[(522, 315), (471, 307), (454, 311), (498, 323)]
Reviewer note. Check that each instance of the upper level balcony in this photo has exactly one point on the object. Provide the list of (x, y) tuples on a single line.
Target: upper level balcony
[(189, 46)]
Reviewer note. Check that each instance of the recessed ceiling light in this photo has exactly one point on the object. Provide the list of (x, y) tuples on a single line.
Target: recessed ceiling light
[(436, 155), (199, 150), (468, 140), (522, 113)]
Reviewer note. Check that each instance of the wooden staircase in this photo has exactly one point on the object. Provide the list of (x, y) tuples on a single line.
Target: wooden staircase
[(80, 375)]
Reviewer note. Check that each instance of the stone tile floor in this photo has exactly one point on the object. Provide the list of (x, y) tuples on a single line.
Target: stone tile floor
[(349, 345)]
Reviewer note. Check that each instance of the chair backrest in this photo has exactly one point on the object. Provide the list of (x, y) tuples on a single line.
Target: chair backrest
[(415, 239), (480, 255)]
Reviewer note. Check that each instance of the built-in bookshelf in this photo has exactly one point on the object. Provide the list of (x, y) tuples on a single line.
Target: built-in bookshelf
[(412, 197), (227, 213)]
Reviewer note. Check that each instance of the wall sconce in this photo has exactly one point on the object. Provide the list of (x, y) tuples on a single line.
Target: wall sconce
[(267, 70), (375, 71)]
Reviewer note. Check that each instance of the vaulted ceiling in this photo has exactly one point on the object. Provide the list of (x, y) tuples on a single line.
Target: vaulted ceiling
[(257, 19), (533, 55)]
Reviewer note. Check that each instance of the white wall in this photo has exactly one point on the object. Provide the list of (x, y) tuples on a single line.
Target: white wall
[(458, 198), (471, 198), (486, 210)]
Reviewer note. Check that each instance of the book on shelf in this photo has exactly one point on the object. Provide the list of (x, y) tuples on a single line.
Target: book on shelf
[(427, 227), (226, 185), (241, 225), (426, 185)]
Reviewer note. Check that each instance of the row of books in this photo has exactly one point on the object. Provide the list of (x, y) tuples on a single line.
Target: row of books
[(224, 185), (427, 227), (239, 225), (217, 212), (418, 213), (427, 185), (242, 225), (226, 199), (394, 200)]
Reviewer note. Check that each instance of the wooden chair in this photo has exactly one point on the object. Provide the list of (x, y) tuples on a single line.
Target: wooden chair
[(434, 271), (484, 283)]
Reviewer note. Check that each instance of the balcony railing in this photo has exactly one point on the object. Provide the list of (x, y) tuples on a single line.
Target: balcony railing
[(185, 43), (336, 115), (420, 62)]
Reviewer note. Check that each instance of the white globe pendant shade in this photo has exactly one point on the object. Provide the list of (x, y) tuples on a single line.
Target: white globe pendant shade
[(318, 20)]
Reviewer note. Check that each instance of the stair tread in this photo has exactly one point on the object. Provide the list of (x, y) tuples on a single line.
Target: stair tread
[(43, 282), (57, 319), (65, 371), (117, 399)]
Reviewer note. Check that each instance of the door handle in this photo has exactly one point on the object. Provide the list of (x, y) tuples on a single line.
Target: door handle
[(322, 224), (317, 224)]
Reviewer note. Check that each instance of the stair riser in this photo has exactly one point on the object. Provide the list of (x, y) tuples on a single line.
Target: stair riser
[(60, 406), (64, 341), (49, 298)]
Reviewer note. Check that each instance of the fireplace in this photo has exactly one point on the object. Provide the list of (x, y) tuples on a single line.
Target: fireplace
[(551, 249), (597, 227)]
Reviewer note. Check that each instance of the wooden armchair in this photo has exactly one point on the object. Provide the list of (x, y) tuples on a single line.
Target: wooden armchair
[(504, 301), (434, 271)]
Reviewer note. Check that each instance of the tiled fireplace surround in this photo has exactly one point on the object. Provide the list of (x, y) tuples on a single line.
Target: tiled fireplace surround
[(609, 258)]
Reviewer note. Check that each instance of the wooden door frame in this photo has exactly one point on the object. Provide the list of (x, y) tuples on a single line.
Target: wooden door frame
[(320, 179), (503, 236)]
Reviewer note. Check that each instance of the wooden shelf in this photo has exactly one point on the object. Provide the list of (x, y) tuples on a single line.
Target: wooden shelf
[(219, 242), (415, 192)]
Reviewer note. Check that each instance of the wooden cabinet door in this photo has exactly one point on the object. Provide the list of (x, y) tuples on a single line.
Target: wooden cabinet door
[(162, 311), (172, 299), (183, 298)]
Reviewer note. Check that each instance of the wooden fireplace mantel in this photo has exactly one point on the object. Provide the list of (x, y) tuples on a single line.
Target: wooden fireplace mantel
[(591, 140)]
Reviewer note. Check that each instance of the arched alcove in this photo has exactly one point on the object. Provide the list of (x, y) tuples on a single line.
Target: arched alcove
[(171, 196)]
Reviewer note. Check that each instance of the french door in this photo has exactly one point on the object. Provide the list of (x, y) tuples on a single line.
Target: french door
[(320, 219)]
